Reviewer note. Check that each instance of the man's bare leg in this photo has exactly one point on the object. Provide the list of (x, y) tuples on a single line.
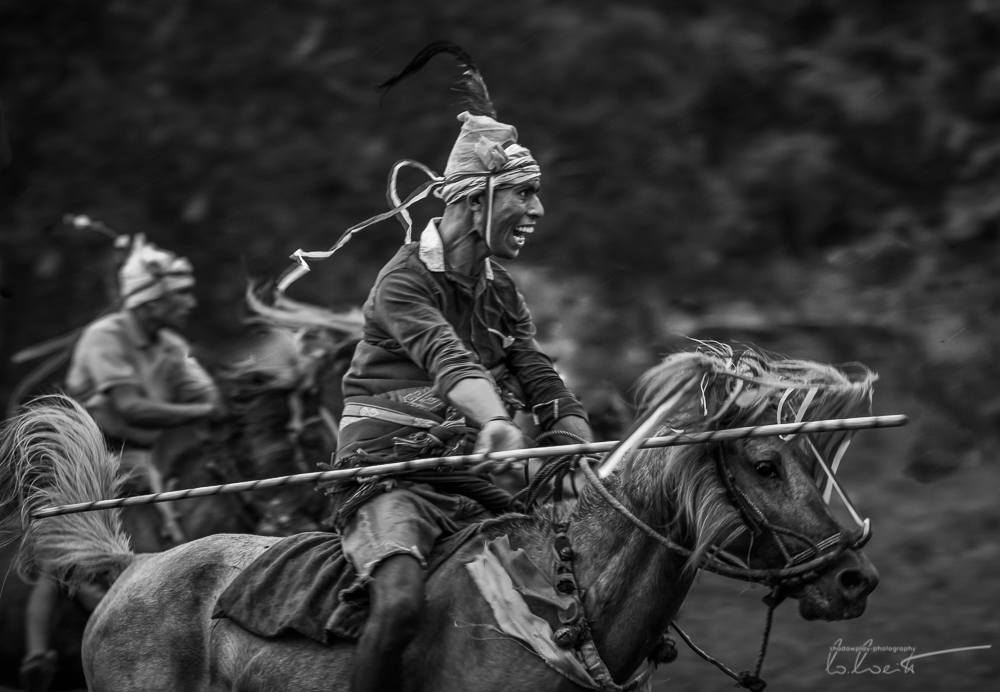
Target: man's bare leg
[(397, 597)]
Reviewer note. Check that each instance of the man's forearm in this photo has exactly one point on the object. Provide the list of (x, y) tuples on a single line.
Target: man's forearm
[(147, 413), (476, 399), (576, 426), (548, 397)]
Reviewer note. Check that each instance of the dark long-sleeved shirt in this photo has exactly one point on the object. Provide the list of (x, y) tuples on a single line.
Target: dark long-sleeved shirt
[(426, 326)]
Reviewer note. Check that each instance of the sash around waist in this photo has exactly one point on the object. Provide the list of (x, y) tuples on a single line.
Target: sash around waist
[(360, 408)]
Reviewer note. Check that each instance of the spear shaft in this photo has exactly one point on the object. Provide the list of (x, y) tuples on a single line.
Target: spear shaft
[(363, 472)]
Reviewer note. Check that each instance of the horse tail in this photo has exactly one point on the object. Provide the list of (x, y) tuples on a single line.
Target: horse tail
[(54, 454)]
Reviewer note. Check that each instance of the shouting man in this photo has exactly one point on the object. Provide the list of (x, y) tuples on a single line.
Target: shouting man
[(448, 355)]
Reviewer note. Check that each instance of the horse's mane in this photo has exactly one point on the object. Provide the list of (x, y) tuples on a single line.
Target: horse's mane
[(285, 313), (736, 389), (301, 333)]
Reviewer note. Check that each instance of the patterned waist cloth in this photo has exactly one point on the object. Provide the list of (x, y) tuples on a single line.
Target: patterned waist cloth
[(380, 430)]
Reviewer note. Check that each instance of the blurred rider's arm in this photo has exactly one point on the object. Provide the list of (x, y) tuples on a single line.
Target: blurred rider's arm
[(113, 373), (137, 409)]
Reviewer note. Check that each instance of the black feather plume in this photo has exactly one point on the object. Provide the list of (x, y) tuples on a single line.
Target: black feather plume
[(469, 84)]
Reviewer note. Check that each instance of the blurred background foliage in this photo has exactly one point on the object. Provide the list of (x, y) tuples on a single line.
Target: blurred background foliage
[(817, 177), (712, 168)]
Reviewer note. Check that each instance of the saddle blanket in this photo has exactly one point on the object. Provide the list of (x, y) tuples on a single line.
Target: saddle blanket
[(305, 585)]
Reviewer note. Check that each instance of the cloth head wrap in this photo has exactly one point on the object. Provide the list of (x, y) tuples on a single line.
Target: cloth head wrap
[(486, 156), (150, 273), (485, 149)]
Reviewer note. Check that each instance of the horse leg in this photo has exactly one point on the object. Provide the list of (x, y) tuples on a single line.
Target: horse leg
[(41, 615), (397, 596), (143, 525), (168, 513)]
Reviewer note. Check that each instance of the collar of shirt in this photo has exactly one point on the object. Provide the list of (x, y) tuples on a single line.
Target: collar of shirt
[(431, 250), (136, 334)]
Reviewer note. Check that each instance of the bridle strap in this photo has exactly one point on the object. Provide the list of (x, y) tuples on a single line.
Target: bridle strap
[(744, 679), (754, 519), (786, 576)]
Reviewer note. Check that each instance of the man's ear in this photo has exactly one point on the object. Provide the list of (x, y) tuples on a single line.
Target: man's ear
[(475, 201)]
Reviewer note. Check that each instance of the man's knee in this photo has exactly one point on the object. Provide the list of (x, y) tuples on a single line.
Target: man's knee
[(397, 593)]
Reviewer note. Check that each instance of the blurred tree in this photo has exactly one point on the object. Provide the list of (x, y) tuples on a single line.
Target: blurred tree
[(780, 161)]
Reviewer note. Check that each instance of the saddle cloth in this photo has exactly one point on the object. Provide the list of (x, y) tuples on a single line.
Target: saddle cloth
[(304, 585)]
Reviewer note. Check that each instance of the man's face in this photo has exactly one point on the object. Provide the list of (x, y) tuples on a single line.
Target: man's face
[(172, 309), (516, 210)]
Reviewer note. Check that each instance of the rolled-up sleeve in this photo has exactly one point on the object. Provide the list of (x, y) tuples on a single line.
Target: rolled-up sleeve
[(101, 362), (188, 380), (406, 307), (194, 384), (548, 396)]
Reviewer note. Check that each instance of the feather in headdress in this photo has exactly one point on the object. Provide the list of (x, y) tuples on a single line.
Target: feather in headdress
[(469, 84)]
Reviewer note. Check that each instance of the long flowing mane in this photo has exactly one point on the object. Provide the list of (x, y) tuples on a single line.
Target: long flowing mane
[(735, 389), (304, 332)]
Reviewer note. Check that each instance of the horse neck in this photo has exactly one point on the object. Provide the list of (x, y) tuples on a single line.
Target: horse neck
[(633, 585)]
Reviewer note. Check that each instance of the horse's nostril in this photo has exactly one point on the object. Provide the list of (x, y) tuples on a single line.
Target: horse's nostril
[(852, 581)]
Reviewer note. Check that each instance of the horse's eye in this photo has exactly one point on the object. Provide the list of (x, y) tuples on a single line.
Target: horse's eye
[(766, 469)]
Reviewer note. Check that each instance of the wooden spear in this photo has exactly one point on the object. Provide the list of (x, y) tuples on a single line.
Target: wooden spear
[(398, 467)]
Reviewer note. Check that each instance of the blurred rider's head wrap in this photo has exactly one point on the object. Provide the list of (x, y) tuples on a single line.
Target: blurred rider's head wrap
[(150, 273)]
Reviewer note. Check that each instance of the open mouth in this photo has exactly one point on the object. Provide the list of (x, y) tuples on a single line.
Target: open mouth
[(520, 234)]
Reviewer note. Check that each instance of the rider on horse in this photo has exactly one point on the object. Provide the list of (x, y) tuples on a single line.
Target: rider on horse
[(134, 375), (448, 354)]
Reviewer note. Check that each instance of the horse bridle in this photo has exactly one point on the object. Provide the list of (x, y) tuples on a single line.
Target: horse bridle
[(798, 570), (795, 573)]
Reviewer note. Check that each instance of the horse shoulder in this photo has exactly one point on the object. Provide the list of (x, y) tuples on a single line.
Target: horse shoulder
[(460, 646)]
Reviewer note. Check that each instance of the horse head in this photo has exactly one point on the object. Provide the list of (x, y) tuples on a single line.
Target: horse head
[(758, 508)]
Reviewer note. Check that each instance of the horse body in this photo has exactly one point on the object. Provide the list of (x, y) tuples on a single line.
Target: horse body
[(154, 630), (633, 585), (457, 647)]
